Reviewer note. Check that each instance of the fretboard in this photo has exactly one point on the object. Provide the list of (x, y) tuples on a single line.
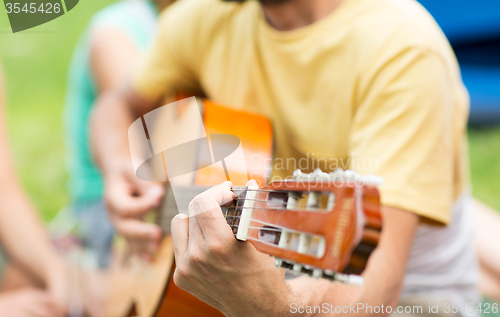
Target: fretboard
[(186, 194)]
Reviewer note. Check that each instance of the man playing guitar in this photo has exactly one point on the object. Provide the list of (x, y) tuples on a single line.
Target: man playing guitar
[(371, 84)]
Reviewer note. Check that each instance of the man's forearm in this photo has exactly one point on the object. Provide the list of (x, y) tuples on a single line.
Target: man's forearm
[(381, 289), (383, 275)]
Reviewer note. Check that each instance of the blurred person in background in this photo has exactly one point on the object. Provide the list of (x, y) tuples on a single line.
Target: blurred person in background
[(34, 279), (378, 73), (106, 53), (32, 275)]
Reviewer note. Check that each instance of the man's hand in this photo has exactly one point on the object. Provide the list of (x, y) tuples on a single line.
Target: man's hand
[(239, 281), (128, 200), (217, 268), (30, 303)]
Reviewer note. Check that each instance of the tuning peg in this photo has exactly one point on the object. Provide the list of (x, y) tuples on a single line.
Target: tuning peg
[(297, 173), (349, 279), (318, 174), (317, 273), (373, 180), (278, 263), (297, 269), (343, 278)]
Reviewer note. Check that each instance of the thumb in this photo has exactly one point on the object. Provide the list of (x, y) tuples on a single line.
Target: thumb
[(151, 192), (154, 191)]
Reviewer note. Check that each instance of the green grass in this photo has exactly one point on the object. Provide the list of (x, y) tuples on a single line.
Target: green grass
[(35, 64), (484, 148)]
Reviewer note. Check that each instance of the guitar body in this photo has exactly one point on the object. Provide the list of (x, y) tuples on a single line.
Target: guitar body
[(144, 289), (147, 289)]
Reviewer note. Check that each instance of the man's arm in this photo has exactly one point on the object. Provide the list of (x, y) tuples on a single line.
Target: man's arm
[(238, 280), (383, 275)]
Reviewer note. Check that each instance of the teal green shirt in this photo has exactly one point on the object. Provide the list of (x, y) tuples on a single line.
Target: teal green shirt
[(3, 263), (137, 19)]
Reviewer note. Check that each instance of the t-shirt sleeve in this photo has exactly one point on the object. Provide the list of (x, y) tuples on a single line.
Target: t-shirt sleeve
[(166, 67), (402, 131)]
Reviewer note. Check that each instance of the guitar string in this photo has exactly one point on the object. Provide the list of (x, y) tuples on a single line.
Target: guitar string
[(262, 222), (281, 191), (238, 191), (258, 221), (283, 204), (261, 228), (275, 190), (237, 198), (245, 189), (268, 201), (255, 208)]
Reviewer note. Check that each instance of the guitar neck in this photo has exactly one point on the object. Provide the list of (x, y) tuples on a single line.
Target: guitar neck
[(169, 208), (185, 195), (310, 229)]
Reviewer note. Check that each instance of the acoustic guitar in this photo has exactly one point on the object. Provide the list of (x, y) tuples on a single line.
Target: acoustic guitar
[(310, 223)]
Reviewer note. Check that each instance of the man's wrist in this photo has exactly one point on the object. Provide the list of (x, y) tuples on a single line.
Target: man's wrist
[(292, 299), (277, 302)]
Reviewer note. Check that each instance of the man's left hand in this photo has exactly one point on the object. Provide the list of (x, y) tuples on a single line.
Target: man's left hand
[(228, 274)]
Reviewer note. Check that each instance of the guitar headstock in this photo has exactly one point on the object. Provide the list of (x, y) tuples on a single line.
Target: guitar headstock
[(310, 223)]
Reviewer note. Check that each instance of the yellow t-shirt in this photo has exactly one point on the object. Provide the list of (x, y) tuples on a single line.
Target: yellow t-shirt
[(373, 87)]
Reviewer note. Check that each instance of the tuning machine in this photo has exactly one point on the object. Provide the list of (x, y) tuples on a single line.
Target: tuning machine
[(316, 273)]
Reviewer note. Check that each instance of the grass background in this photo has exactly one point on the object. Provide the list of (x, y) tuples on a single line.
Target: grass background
[(35, 64)]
